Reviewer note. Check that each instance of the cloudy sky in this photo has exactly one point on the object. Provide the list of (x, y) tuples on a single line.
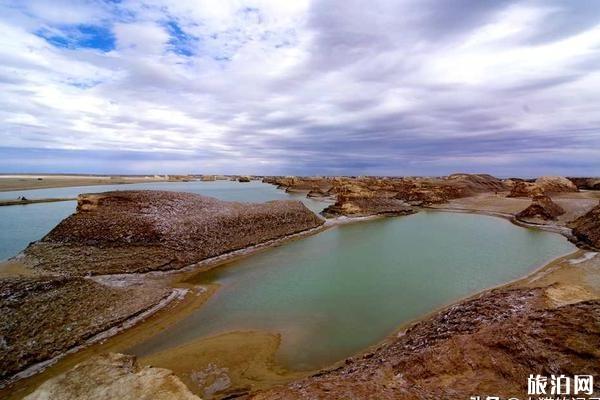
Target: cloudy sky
[(300, 87)]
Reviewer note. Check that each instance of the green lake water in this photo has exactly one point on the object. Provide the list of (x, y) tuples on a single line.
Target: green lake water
[(22, 224), (337, 292)]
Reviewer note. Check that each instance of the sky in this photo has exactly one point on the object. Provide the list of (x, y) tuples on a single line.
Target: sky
[(327, 87)]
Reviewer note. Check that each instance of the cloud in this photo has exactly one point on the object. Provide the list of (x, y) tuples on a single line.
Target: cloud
[(327, 87)]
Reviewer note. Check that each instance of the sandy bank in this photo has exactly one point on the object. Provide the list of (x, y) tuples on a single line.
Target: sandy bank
[(10, 183)]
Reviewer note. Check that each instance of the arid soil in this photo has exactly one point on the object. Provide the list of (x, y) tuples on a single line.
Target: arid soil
[(42, 317), (361, 207), (114, 376), (586, 228), (26, 182), (140, 231)]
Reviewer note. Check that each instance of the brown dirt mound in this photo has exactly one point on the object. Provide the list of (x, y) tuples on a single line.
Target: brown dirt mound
[(42, 317), (358, 207), (555, 184), (586, 183), (136, 231), (587, 228), (542, 207)]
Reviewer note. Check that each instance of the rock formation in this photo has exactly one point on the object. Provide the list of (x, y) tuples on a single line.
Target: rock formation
[(542, 185), (138, 231), (478, 183), (42, 317), (415, 191), (244, 179), (555, 184), (524, 189), (113, 376), (541, 208), (586, 183), (360, 207), (586, 229), (484, 346)]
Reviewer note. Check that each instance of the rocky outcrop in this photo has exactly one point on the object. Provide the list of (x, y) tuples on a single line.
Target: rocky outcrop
[(586, 229), (541, 208), (524, 189), (586, 183), (113, 376), (484, 346), (42, 317), (542, 185), (478, 183), (138, 231), (244, 179), (361, 207), (293, 184), (416, 191), (425, 193), (555, 184)]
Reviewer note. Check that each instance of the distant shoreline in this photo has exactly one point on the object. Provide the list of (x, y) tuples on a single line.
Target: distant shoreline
[(16, 182)]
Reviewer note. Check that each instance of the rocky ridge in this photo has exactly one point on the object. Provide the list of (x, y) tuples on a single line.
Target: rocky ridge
[(361, 196), (140, 231), (542, 185), (42, 317), (586, 229)]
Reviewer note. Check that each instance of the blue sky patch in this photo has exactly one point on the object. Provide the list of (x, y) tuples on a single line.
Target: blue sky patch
[(80, 36), (181, 42)]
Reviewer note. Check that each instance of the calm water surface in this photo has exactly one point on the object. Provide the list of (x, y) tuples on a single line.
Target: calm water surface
[(20, 225), (335, 293)]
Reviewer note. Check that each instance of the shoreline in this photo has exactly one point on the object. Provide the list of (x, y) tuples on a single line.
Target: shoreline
[(24, 182), (179, 277), (5, 203)]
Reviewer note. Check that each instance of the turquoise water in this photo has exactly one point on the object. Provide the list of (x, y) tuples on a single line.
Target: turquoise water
[(332, 294), (20, 225)]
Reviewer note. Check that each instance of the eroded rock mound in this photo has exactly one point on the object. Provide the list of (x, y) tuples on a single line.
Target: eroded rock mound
[(586, 183), (555, 184), (486, 345), (42, 317), (137, 231), (524, 189), (542, 185), (113, 376), (477, 183), (586, 228), (365, 206), (541, 208)]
